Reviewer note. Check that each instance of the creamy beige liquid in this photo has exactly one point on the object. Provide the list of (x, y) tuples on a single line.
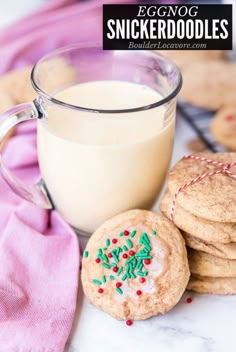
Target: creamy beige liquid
[(98, 165)]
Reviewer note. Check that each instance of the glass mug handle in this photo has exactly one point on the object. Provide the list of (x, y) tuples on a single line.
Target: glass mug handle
[(37, 193)]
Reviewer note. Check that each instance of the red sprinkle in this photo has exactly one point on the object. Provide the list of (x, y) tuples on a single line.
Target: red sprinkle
[(132, 253), (98, 260), (100, 290), (139, 292), (125, 255), (189, 300), (229, 118), (147, 261), (114, 240), (142, 280), (129, 322), (126, 233), (118, 284), (109, 255), (115, 269)]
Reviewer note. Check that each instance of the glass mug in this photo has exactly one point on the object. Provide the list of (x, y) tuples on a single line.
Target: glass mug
[(105, 131)]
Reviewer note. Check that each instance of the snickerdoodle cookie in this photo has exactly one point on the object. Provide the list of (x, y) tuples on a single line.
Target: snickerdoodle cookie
[(221, 250), (212, 285), (198, 228), (210, 84), (135, 265), (205, 193), (223, 127), (205, 264)]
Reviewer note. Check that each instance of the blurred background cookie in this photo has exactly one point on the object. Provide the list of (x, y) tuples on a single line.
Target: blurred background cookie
[(209, 85), (223, 127), (17, 85)]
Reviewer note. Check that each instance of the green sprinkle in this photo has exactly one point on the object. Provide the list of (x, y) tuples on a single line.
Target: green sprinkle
[(140, 273), (86, 253), (114, 255), (100, 256), (129, 243), (112, 277), (154, 232), (104, 278), (140, 265), (99, 251), (147, 247), (120, 270), (119, 290), (125, 248), (124, 277), (113, 264), (132, 275), (128, 275), (133, 263), (105, 248), (144, 256), (121, 233), (130, 259), (133, 233), (107, 266), (145, 273), (119, 250), (144, 239), (116, 259), (108, 242), (105, 258), (97, 282)]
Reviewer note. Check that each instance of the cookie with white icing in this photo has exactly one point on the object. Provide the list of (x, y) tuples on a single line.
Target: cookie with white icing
[(135, 266)]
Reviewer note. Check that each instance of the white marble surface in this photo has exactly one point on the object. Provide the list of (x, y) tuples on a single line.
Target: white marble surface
[(205, 325)]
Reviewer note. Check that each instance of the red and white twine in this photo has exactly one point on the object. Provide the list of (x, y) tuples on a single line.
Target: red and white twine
[(223, 169)]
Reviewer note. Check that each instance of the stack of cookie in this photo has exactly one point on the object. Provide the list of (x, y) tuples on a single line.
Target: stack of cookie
[(201, 201)]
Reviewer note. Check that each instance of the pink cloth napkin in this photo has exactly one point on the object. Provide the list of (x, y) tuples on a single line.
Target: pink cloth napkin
[(39, 262), (59, 23), (39, 253)]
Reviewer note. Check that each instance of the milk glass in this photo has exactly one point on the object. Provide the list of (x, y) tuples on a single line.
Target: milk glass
[(105, 131)]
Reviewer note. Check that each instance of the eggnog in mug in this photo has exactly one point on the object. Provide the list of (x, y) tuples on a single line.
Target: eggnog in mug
[(96, 165)]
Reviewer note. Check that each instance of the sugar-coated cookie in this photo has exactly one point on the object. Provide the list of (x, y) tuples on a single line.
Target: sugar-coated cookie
[(213, 197), (221, 250), (212, 285), (205, 264), (135, 265), (186, 57), (223, 127), (198, 228), (210, 84)]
